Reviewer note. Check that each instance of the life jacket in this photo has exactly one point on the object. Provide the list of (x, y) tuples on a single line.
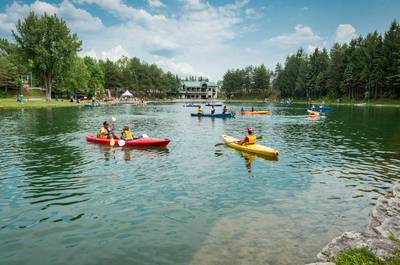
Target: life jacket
[(200, 111), (251, 139), (127, 135), (103, 133)]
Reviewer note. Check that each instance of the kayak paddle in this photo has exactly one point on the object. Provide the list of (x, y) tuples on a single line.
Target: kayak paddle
[(112, 141), (219, 144)]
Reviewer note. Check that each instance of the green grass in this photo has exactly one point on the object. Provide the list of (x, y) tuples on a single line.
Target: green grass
[(360, 256), (363, 256), (11, 103)]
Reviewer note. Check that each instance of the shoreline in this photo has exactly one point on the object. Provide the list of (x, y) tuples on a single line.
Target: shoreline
[(381, 237), (12, 104)]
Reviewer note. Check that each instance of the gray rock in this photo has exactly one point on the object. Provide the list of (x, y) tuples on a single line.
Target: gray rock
[(385, 217), (381, 247), (385, 221)]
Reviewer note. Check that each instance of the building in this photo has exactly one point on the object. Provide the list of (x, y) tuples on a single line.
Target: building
[(198, 90)]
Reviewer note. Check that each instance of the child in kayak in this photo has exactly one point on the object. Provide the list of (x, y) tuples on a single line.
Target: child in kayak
[(212, 110), (126, 133), (199, 110), (105, 132), (224, 110), (250, 138)]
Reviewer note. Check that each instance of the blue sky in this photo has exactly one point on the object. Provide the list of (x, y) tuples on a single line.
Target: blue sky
[(198, 37)]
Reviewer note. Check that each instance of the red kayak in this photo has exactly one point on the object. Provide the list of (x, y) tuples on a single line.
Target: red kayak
[(135, 142)]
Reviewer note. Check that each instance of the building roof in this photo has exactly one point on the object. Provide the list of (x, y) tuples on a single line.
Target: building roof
[(197, 83)]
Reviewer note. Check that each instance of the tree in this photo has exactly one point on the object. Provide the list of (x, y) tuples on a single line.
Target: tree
[(48, 42), (391, 60), (96, 76)]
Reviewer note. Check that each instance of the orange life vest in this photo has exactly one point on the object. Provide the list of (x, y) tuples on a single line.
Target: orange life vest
[(103, 133)]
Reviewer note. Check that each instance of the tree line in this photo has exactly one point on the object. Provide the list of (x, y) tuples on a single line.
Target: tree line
[(47, 50), (252, 81), (365, 68)]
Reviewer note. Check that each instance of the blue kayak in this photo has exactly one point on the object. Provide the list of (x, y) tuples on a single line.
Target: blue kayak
[(321, 109), (223, 116), (216, 104)]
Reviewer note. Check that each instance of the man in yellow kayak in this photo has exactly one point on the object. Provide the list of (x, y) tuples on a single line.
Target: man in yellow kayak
[(250, 138), (126, 134), (105, 132)]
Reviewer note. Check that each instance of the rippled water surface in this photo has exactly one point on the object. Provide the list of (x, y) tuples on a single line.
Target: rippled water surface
[(63, 200)]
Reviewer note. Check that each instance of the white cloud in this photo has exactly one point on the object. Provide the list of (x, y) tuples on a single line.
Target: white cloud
[(311, 48), (114, 54), (124, 11), (155, 3), (177, 67), (78, 19), (345, 33), (302, 34), (191, 41)]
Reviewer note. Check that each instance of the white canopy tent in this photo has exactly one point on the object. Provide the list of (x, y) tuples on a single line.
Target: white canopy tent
[(127, 94)]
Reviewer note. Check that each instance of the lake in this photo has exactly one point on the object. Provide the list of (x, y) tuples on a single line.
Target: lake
[(64, 200)]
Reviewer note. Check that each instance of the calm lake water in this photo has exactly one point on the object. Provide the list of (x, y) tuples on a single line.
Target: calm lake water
[(63, 200)]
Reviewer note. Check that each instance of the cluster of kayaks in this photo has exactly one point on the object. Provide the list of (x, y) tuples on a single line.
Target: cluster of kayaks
[(229, 141), (159, 142)]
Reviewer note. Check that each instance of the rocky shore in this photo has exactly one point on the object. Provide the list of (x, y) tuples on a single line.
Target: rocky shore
[(380, 236)]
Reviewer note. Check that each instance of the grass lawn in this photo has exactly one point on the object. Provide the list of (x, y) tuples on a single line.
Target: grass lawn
[(11, 103)]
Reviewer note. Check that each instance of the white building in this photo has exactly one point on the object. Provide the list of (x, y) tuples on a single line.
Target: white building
[(198, 90)]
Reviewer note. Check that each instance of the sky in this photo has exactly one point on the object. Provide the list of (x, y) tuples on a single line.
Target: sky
[(199, 37)]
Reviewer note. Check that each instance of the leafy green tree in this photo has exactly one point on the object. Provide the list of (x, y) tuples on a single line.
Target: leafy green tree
[(48, 42), (95, 83), (75, 80)]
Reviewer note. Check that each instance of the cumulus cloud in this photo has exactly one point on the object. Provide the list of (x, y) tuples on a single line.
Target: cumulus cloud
[(301, 34), (345, 33), (194, 37), (155, 3), (78, 19), (177, 67), (123, 11)]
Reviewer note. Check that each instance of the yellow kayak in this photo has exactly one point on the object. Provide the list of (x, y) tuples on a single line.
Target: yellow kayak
[(253, 148), (260, 112)]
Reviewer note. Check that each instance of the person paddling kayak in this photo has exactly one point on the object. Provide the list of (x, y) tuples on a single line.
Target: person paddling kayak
[(224, 110), (250, 138), (126, 134), (199, 110), (105, 132), (212, 110)]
